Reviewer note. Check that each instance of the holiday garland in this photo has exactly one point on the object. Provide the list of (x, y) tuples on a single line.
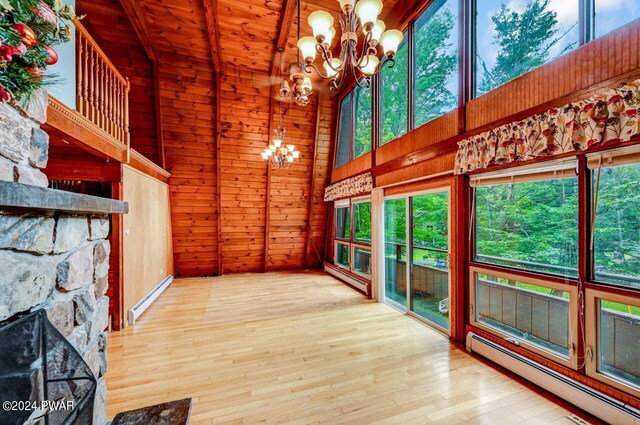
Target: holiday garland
[(28, 30)]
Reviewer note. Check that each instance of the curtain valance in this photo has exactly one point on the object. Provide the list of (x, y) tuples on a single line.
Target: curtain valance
[(609, 117), (353, 186)]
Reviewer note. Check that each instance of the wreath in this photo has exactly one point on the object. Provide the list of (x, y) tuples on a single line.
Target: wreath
[(28, 31)]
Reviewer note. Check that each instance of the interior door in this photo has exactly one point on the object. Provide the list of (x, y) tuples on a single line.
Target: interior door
[(428, 246)]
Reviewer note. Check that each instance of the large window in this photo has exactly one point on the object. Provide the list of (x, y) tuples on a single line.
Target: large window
[(352, 248), (436, 61), (394, 96), (617, 225), (513, 38), (609, 15), (355, 126), (529, 221)]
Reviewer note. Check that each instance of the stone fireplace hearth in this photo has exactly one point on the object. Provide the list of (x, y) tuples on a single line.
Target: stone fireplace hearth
[(54, 248)]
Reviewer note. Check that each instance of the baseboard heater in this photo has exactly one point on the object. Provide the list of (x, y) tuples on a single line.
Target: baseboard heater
[(137, 310), (346, 278), (598, 404)]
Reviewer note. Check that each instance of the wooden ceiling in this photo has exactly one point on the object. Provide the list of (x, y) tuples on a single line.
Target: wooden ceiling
[(243, 34)]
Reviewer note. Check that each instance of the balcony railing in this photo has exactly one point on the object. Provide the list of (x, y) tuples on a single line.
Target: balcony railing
[(102, 94)]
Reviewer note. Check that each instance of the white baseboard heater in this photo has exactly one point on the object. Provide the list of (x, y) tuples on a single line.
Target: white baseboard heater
[(347, 279), (137, 310), (588, 399)]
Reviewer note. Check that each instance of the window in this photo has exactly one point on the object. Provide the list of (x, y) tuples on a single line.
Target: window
[(352, 250), (355, 126), (529, 221), (617, 226), (612, 333), (343, 222), (531, 312), (343, 152), (436, 61), (513, 38), (362, 222), (395, 251), (394, 96), (609, 15), (363, 125)]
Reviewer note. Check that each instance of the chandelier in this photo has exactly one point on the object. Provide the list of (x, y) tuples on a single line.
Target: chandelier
[(302, 88), (279, 155), (355, 14)]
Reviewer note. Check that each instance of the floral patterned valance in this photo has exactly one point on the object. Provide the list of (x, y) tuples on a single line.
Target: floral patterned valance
[(352, 186), (609, 117)]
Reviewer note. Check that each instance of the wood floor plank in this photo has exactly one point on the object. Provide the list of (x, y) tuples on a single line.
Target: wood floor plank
[(302, 348)]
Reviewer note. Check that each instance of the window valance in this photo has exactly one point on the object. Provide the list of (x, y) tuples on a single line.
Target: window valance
[(353, 186), (609, 117)]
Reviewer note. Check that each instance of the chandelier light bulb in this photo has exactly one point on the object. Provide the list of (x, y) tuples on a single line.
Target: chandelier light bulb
[(264, 155), (296, 154), (368, 11), (290, 147), (290, 159), (335, 62), (306, 85), (272, 148), (307, 47), (377, 30), (390, 41), (332, 34), (369, 65), (277, 142), (321, 22)]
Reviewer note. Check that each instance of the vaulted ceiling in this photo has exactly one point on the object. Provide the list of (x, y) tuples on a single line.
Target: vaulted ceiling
[(237, 33)]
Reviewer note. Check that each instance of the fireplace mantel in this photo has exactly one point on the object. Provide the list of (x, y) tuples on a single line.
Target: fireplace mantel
[(33, 198)]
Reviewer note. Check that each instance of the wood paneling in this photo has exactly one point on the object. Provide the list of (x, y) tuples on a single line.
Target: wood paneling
[(187, 94), (147, 249), (357, 166), (109, 25)]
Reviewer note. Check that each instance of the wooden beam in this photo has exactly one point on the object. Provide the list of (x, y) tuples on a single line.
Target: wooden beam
[(211, 15), (268, 197), (312, 183), (218, 174), (287, 14), (136, 16), (117, 248), (158, 111)]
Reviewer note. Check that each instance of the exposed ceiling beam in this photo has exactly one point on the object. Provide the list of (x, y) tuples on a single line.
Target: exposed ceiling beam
[(134, 11), (211, 15), (287, 14)]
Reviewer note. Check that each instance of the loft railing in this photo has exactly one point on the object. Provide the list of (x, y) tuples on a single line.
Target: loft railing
[(102, 93)]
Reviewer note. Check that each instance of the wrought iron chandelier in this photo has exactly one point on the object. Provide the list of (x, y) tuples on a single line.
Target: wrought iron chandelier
[(279, 155), (355, 14)]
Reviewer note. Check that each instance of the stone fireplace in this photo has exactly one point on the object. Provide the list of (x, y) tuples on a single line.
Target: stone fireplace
[(54, 248)]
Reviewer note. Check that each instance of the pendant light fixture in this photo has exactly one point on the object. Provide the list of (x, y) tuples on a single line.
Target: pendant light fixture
[(302, 87)]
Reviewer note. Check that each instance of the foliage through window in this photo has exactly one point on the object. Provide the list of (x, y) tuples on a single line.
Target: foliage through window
[(436, 61), (343, 151), (343, 222), (513, 38), (617, 229), (363, 122), (530, 225), (394, 96), (362, 222)]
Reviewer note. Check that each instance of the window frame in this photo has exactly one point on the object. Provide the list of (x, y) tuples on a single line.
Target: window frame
[(572, 362), (352, 123), (350, 243), (592, 325)]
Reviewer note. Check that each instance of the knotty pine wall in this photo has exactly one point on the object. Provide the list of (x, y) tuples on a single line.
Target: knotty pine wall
[(109, 25), (188, 108)]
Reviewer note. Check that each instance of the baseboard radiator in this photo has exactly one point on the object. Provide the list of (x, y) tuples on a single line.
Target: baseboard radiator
[(137, 310), (588, 399), (347, 279)]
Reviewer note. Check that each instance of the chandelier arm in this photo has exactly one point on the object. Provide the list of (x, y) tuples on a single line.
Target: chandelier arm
[(388, 60), (315, 68), (326, 55)]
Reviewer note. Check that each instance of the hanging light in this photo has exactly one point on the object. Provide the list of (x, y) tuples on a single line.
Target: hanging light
[(366, 60), (278, 154)]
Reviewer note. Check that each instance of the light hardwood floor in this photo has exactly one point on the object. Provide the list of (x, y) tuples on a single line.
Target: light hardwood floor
[(302, 348)]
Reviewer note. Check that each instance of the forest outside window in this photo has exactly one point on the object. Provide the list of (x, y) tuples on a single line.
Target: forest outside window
[(528, 219), (343, 222), (353, 236), (513, 38), (615, 203), (394, 96), (435, 70), (354, 126)]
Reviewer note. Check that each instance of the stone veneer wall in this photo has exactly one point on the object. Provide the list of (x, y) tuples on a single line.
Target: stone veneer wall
[(50, 260)]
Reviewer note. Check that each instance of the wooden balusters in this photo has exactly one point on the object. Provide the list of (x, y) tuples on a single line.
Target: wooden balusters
[(102, 92)]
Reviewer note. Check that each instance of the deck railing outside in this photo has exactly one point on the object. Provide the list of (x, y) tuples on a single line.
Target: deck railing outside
[(102, 93)]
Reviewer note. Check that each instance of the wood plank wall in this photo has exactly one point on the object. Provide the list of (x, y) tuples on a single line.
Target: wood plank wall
[(188, 99), (109, 25), (244, 133)]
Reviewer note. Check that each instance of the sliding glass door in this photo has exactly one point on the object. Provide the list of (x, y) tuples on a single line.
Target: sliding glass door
[(417, 255), (429, 254)]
